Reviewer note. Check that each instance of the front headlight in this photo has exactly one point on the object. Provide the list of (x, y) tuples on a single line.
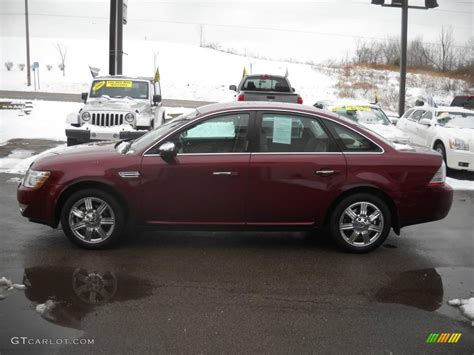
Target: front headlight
[(129, 117), (458, 144), (86, 116), (35, 178)]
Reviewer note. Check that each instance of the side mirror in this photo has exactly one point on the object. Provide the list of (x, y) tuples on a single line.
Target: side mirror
[(156, 99), (293, 90), (167, 150), (425, 122), (233, 88), (394, 120), (84, 96)]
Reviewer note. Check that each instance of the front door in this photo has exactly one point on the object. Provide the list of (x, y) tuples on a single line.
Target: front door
[(207, 181), (295, 172)]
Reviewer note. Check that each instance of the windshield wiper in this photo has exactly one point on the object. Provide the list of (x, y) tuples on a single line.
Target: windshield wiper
[(105, 97)]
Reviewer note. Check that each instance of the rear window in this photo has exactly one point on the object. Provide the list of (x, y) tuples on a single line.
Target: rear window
[(351, 141), (463, 101), (264, 83)]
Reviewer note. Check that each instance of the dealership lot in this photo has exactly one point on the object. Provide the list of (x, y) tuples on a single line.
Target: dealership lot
[(240, 292)]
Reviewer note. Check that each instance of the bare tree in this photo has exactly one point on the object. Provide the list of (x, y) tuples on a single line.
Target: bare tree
[(446, 47), (62, 50)]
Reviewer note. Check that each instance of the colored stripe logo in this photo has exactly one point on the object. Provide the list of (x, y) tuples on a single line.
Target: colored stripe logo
[(443, 338)]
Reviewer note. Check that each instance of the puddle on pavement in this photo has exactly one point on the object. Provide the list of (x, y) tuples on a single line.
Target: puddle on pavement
[(56, 300), (77, 291), (430, 289)]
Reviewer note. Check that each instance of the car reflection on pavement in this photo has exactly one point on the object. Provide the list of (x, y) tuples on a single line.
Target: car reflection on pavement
[(65, 295)]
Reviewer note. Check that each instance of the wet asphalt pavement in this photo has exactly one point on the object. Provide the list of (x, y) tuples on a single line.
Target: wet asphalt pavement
[(252, 292)]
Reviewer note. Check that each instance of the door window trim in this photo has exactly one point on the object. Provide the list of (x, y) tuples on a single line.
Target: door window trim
[(251, 126), (253, 131)]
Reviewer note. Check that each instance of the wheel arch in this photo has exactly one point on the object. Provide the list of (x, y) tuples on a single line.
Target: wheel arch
[(369, 190), (89, 184)]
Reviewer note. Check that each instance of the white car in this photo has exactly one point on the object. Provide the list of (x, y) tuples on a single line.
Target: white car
[(446, 129), (368, 115)]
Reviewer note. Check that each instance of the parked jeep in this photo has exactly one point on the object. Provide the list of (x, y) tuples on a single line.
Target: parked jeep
[(116, 107)]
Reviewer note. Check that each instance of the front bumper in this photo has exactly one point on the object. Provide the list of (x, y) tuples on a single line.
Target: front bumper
[(82, 135), (39, 205), (460, 159)]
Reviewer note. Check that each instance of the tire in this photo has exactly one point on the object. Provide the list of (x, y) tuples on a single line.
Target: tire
[(439, 147), (71, 142), (355, 232), (105, 220)]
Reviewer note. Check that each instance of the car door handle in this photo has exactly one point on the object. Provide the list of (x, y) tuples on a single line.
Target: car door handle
[(225, 173), (325, 172)]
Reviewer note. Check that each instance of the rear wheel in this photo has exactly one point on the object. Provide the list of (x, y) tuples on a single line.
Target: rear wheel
[(92, 219), (360, 223)]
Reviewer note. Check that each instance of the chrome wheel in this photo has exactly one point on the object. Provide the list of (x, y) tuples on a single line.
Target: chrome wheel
[(91, 220), (94, 287), (361, 224)]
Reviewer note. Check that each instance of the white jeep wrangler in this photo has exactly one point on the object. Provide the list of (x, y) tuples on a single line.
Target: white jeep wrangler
[(116, 107)]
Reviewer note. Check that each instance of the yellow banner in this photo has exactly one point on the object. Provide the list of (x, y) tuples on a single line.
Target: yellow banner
[(119, 84), (98, 85), (351, 108)]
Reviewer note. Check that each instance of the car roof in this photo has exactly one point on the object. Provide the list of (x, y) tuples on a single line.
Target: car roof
[(453, 109), (260, 105), (347, 102), (108, 77)]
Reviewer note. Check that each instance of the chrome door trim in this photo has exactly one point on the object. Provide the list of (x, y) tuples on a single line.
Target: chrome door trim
[(244, 109)]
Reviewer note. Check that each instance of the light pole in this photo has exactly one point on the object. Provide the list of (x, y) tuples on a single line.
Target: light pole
[(403, 4), (28, 69)]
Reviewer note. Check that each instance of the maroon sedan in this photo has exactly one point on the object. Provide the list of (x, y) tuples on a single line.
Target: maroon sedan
[(240, 166)]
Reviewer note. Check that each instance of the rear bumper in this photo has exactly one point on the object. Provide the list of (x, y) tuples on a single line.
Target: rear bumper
[(39, 205), (85, 135), (430, 204)]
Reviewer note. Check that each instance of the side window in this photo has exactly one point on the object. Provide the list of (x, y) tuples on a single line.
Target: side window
[(408, 113), (427, 114), (223, 134), (351, 141), (282, 133), (417, 115)]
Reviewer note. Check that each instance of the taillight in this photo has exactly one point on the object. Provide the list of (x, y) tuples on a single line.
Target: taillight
[(240, 97), (299, 100), (439, 177)]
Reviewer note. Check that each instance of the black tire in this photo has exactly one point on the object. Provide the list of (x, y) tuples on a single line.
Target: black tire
[(439, 147), (360, 244), (71, 142), (112, 213)]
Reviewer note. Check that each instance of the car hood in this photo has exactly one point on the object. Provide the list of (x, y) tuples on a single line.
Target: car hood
[(116, 105), (93, 152), (466, 134), (389, 132)]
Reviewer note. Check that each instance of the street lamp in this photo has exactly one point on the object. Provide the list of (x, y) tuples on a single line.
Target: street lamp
[(403, 4)]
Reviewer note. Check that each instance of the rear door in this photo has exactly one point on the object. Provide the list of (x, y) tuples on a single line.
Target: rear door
[(295, 171)]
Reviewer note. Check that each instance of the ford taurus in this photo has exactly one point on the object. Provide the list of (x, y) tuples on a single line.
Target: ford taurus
[(240, 166)]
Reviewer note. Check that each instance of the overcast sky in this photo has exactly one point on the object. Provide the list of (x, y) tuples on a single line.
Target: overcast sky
[(287, 29)]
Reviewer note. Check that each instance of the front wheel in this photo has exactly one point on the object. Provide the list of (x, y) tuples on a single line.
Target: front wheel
[(360, 223), (92, 219), (439, 147)]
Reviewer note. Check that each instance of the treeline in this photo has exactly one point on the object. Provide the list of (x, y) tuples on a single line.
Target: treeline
[(444, 55)]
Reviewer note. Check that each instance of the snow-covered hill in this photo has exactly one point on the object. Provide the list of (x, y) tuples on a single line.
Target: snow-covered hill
[(191, 72)]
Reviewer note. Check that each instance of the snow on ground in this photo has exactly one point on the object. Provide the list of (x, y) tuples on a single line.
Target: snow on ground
[(460, 184), (466, 307), (195, 73), (47, 120), (20, 160)]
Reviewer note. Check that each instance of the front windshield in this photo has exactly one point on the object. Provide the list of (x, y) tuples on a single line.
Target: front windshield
[(119, 89), (148, 138), (362, 114), (456, 120)]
